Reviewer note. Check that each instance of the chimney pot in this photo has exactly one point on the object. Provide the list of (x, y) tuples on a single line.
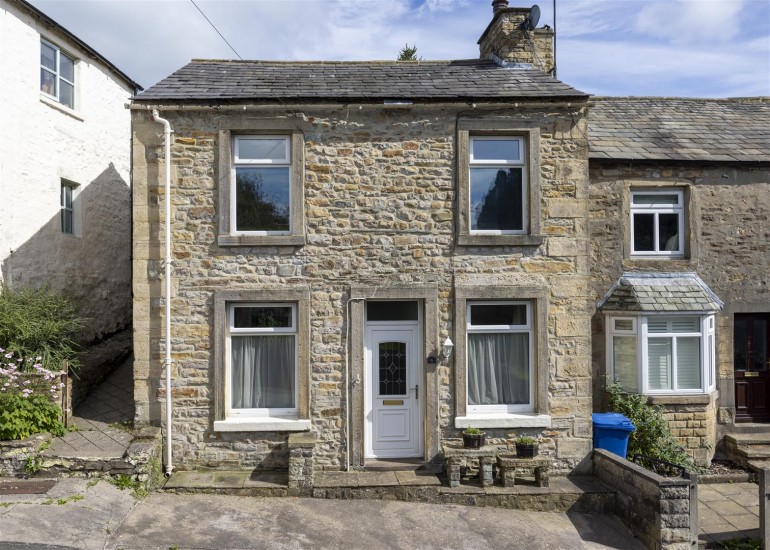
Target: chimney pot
[(498, 5)]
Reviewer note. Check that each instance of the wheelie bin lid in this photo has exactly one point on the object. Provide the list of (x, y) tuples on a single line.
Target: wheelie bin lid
[(613, 420)]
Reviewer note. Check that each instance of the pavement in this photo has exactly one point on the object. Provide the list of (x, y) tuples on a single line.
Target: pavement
[(83, 514), (728, 511), (101, 420)]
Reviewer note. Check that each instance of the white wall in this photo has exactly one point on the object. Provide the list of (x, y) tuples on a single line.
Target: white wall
[(42, 142)]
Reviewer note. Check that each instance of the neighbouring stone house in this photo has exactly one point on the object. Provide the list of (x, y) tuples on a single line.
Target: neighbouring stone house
[(680, 256), (65, 214), (337, 227)]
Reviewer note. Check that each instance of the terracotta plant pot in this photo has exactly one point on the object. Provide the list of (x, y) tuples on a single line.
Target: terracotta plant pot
[(474, 441), (524, 450)]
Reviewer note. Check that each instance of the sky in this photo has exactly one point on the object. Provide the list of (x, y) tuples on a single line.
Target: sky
[(690, 48)]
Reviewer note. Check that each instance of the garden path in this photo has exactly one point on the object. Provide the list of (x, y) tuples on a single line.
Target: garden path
[(102, 420), (727, 511)]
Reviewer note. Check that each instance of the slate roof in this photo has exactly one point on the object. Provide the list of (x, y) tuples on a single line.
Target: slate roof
[(274, 81), (680, 129), (666, 292)]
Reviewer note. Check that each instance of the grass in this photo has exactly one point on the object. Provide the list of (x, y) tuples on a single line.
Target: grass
[(741, 544), (124, 481), (63, 501)]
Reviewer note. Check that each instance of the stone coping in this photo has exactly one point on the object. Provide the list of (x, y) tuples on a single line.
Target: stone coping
[(456, 450), (374, 479), (639, 471), (700, 399)]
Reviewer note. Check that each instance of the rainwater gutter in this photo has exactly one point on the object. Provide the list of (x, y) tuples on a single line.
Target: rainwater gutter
[(167, 265)]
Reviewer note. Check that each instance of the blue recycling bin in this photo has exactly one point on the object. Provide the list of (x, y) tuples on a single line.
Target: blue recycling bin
[(611, 432)]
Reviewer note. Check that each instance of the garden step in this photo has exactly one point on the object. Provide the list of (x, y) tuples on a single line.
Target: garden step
[(748, 438), (754, 452), (757, 465)]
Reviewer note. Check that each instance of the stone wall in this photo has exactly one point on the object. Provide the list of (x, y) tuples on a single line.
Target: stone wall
[(693, 421), (727, 208), (661, 512), (379, 205)]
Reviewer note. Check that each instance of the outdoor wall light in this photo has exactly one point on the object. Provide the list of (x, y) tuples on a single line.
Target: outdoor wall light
[(447, 347)]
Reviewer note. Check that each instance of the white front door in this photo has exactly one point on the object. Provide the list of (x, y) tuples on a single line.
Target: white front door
[(392, 400)]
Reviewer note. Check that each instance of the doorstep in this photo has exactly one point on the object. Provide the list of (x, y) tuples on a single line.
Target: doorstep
[(329, 480), (241, 482)]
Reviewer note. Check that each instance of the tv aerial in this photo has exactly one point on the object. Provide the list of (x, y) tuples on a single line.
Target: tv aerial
[(530, 22)]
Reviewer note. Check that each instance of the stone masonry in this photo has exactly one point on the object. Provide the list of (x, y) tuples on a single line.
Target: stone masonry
[(727, 207), (380, 196)]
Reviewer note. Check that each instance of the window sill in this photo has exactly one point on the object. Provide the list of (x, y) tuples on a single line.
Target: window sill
[(59, 107), (500, 240), (261, 240), (502, 420), (683, 399), (266, 424)]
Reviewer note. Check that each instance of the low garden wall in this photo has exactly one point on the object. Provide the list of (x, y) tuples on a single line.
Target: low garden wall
[(693, 422), (661, 512)]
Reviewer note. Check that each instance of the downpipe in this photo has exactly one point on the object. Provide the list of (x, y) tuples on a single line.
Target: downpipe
[(167, 264)]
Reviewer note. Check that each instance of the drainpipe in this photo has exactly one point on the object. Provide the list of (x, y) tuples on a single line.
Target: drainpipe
[(167, 262)]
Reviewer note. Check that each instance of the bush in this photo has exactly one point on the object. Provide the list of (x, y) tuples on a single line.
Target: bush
[(39, 322), (652, 436), (20, 416), (26, 408)]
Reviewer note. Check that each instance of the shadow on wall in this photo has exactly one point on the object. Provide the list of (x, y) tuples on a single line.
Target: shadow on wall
[(94, 265)]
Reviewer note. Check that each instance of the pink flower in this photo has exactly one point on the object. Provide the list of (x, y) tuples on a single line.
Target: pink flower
[(8, 355)]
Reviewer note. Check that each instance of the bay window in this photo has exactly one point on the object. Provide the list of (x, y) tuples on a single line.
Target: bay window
[(662, 354)]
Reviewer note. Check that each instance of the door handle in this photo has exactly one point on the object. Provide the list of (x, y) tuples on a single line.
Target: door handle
[(416, 391)]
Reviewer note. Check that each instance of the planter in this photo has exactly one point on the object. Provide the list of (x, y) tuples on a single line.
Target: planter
[(474, 441), (524, 450)]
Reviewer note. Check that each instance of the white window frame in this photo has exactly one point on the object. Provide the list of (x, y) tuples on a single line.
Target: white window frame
[(502, 164), (657, 210), (237, 161), (286, 413), (57, 75), (707, 350), (527, 328)]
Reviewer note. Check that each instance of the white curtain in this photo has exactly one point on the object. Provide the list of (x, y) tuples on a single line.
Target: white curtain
[(498, 369), (263, 372)]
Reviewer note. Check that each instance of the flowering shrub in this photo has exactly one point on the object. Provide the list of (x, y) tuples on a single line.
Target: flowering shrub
[(27, 408)]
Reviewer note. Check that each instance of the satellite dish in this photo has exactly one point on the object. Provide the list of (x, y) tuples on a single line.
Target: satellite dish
[(534, 17)]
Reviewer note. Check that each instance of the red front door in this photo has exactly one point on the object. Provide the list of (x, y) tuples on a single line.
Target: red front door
[(751, 362)]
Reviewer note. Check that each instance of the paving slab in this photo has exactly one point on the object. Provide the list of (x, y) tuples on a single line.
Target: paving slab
[(728, 511)]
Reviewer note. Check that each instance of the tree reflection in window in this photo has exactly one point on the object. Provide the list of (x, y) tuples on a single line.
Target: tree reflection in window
[(496, 199), (262, 198)]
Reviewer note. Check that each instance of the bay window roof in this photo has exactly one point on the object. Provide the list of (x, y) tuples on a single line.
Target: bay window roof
[(660, 292)]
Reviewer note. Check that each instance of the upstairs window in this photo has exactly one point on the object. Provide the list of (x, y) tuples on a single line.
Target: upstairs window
[(261, 185), (657, 223), (498, 188), (57, 74)]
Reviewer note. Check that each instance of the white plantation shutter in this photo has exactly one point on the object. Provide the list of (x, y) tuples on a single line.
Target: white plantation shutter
[(657, 325), (625, 362), (688, 371), (659, 363), (685, 324)]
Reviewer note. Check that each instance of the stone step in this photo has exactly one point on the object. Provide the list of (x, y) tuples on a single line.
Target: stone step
[(748, 438), (241, 483), (753, 452), (757, 465)]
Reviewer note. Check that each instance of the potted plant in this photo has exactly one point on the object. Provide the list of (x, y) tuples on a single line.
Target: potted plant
[(526, 447), (473, 438)]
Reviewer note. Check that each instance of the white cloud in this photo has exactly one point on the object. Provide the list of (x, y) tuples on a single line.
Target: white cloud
[(692, 22)]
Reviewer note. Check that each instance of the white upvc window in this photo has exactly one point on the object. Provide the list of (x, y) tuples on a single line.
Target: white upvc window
[(57, 74), (498, 185), (662, 354), (261, 185), (657, 223), (261, 360), (499, 351)]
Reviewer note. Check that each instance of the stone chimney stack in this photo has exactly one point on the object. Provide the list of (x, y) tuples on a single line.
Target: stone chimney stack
[(506, 39)]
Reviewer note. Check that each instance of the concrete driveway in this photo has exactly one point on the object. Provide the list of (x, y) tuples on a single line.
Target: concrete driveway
[(107, 518)]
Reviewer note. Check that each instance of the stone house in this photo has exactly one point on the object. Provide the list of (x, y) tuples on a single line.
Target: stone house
[(378, 253), (65, 217), (679, 208)]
